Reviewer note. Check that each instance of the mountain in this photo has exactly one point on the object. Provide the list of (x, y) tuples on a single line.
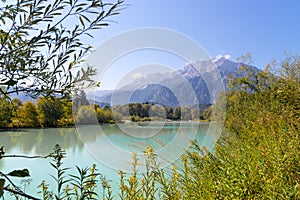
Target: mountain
[(199, 82)]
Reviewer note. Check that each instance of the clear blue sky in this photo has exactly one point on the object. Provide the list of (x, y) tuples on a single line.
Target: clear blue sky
[(265, 28)]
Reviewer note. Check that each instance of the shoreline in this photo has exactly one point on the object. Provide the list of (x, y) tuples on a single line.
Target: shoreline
[(2, 129)]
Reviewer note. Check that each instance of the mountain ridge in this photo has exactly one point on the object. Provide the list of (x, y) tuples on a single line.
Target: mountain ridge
[(198, 82), (188, 86)]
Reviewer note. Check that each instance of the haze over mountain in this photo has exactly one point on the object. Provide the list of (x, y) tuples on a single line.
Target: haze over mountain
[(199, 82)]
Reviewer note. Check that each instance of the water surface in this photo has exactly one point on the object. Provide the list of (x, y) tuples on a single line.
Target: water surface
[(108, 146)]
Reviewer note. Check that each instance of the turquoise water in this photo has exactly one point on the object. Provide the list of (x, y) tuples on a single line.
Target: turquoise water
[(110, 147)]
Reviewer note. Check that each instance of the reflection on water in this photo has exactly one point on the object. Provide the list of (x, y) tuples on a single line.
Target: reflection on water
[(40, 141), (101, 145), (169, 140)]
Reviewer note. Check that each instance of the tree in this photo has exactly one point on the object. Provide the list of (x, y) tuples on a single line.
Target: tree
[(41, 42), (186, 113), (28, 115), (67, 118), (290, 68), (264, 97), (135, 109), (169, 112), (50, 111), (177, 113), (80, 100), (104, 115), (86, 115), (145, 110), (6, 111), (17, 102), (157, 111)]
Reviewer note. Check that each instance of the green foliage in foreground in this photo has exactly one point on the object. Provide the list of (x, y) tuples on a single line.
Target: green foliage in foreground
[(42, 41)]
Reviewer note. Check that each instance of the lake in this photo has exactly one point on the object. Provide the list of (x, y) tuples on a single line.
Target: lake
[(110, 147)]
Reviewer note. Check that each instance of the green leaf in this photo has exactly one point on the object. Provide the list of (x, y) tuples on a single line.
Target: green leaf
[(19, 173), (71, 65), (2, 181), (47, 9), (81, 21)]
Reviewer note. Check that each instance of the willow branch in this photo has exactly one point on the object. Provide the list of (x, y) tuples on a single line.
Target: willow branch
[(20, 193), (22, 156)]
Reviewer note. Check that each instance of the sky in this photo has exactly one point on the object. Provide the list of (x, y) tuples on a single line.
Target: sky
[(266, 28)]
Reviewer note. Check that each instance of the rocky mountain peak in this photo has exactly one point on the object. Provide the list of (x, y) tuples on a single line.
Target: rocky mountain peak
[(171, 88)]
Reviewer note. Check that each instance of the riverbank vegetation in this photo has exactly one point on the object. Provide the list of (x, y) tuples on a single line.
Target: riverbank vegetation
[(62, 112), (259, 159)]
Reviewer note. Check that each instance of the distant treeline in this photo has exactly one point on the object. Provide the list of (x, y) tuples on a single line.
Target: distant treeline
[(151, 111), (46, 112), (56, 112)]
